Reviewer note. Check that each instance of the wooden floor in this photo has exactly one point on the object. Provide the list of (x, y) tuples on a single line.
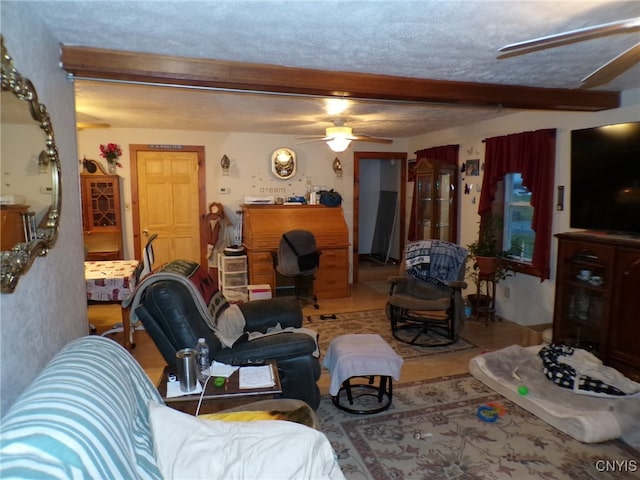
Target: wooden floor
[(368, 294)]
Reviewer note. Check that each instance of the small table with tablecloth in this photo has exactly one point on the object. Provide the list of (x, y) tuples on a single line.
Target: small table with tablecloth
[(111, 282)]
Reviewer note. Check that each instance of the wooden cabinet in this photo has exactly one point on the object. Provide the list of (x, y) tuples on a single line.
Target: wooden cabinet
[(263, 226), (597, 300), (12, 227), (436, 200), (102, 216)]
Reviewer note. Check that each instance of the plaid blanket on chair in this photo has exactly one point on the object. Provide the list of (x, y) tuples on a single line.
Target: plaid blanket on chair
[(208, 298), (434, 261)]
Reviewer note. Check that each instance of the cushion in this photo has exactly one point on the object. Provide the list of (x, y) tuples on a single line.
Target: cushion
[(187, 447), (300, 415)]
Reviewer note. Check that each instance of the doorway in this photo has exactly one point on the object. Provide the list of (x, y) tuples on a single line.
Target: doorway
[(377, 178), (168, 198)]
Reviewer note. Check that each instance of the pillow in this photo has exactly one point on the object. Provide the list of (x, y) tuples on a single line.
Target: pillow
[(187, 447)]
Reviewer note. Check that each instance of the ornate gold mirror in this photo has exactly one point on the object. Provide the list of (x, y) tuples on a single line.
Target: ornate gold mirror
[(30, 193), (283, 163)]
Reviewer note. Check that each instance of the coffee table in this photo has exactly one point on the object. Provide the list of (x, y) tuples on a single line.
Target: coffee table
[(216, 399)]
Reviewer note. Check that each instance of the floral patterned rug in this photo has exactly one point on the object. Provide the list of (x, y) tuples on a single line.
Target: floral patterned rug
[(432, 431), (374, 321)]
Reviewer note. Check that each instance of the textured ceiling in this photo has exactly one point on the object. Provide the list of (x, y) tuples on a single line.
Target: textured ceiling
[(442, 40)]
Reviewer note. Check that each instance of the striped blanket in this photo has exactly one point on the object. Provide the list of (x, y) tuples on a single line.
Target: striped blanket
[(85, 416)]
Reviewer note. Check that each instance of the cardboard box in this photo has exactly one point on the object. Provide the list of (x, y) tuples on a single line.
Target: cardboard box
[(259, 292), (533, 334)]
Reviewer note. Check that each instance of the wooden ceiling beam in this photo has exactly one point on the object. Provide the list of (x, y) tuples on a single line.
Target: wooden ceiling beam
[(100, 64)]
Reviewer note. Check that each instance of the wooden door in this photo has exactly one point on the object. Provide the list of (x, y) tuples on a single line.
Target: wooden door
[(168, 199)]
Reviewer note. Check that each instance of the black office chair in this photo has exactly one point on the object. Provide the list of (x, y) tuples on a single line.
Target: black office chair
[(299, 258)]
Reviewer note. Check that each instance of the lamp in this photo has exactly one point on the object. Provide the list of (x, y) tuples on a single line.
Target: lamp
[(337, 167), (339, 138), (225, 163), (43, 162)]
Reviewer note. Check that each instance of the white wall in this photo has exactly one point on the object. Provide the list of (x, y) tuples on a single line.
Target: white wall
[(530, 301), (48, 307), (368, 203), (21, 145)]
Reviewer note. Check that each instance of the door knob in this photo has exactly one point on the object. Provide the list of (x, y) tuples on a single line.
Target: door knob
[(145, 232)]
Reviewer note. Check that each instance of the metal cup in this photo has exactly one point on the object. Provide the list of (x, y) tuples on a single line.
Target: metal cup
[(186, 368)]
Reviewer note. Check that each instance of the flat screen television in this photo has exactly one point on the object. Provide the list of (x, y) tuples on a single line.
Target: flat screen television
[(605, 178)]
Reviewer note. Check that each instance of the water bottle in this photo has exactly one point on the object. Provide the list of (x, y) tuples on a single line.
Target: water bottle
[(203, 360)]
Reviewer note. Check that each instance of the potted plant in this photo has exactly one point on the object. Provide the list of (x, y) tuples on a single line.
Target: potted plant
[(486, 254), (487, 258)]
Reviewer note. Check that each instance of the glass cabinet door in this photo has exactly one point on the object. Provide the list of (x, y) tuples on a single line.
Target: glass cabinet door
[(102, 217), (443, 210), (102, 203), (436, 206), (584, 298), (424, 209)]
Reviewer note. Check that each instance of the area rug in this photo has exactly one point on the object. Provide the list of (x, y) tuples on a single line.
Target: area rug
[(374, 321), (432, 431)]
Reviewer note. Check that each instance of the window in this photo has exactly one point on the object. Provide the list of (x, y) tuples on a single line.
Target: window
[(518, 214), (532, 156)]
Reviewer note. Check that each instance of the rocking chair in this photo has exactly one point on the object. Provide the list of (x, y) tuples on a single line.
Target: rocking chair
[(425, 305)]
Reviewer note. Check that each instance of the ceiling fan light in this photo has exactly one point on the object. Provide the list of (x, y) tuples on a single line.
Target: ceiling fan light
[(339, 138), (339, 144)]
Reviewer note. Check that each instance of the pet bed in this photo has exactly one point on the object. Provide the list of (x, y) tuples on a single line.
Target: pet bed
[(585, 418)]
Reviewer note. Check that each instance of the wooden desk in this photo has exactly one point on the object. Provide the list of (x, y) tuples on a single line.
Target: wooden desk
[(263, 226), (111, 282), (221, 398)]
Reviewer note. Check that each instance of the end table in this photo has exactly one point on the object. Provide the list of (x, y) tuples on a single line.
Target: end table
[(216, 399)]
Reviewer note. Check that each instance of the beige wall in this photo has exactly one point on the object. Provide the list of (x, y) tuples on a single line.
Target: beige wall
[(530, 301)]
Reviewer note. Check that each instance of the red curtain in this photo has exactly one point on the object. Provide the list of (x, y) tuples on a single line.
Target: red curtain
[(444, 154), (532, 154)]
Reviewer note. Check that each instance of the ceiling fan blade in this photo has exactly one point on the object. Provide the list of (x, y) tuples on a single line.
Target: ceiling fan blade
[(84, 125), (572, 36), (311, 140), (613, 68), (367, 138)]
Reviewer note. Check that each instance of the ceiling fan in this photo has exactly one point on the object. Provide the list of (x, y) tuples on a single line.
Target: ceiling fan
[(84, 121), (606, 72), (339, 137)]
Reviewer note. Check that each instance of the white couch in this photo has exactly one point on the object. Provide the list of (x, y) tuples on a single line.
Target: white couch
[(94, 413)]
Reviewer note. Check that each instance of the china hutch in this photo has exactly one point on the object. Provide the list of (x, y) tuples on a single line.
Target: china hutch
[(101, 215), (597, 297), (436, 200)]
